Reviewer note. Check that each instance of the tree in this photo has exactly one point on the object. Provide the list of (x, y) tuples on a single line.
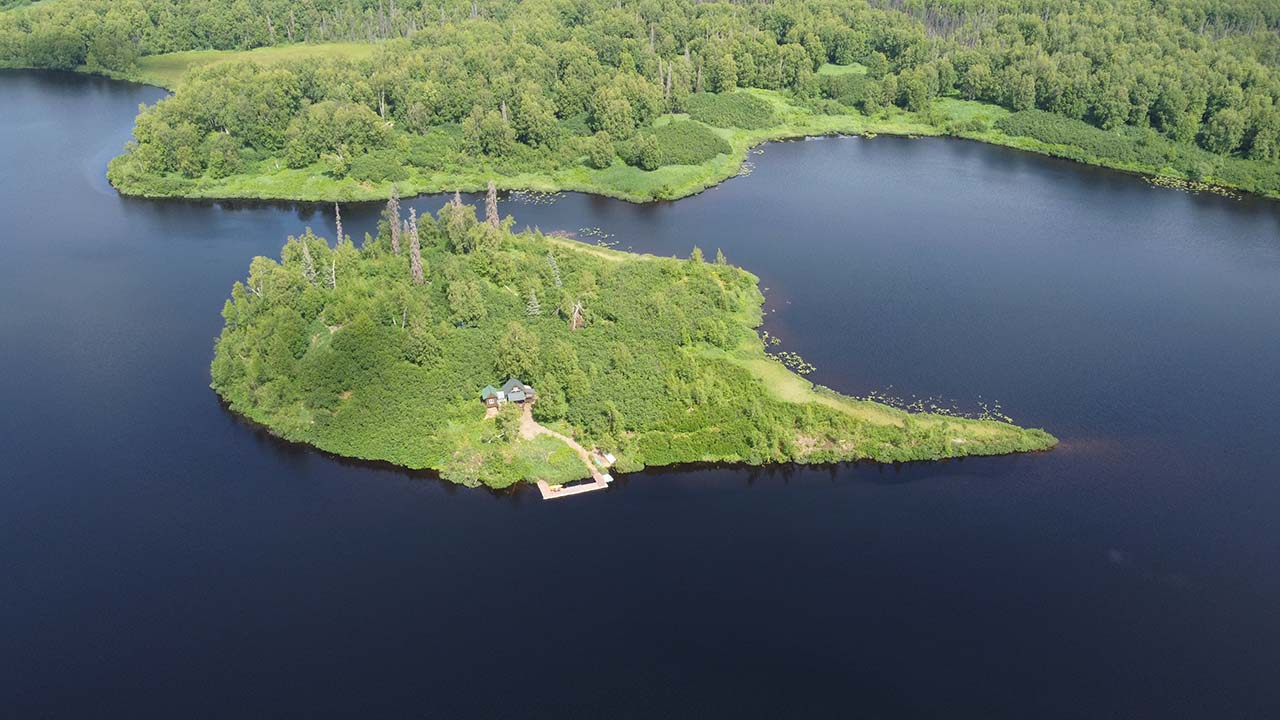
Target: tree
[(647, 154), (466, 304), (337, 221), (517, 352), (535, 121), (415, 249), (308, 264), (600, 151), (723, 73), (484, 131), (555, 269), (533, 308), (1223, 132), (720, 259), (611, 112), (491, 206)]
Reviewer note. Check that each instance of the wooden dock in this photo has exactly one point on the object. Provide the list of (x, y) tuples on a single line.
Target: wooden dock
[(552, 492)]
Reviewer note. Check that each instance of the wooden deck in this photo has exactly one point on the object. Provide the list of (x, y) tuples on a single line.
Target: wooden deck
[(552, 492)]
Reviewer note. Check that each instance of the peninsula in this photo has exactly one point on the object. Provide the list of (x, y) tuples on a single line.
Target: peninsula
[(452, 343)]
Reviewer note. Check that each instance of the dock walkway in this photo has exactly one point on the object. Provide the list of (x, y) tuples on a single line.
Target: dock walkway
[(529, 428)]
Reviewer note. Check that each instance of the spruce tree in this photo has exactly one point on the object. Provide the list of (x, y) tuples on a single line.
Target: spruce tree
[(533, 307), (337, 220), (555, 269), (308, 263)]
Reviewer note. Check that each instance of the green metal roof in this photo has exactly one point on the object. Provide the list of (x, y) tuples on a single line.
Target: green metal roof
[(488, 391)]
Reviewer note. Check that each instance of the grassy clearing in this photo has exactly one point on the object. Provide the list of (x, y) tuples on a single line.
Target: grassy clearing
[(167, 70), (785, 385), (836, 70)]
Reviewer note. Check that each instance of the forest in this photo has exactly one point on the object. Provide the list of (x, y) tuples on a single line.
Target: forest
[(380, 352), (618, 96)]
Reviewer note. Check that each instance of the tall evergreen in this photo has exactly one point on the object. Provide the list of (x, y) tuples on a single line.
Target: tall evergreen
[(308, 264), (337, 220)]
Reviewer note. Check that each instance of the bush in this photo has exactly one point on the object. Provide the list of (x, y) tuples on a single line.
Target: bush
[(435, 149), (600, 151), (378, 166), (849, 89), (688, 143), (736, 109)]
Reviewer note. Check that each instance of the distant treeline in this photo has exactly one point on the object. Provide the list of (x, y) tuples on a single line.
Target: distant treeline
[(1197, 72)]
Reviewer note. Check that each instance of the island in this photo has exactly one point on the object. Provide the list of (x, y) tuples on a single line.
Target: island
[(455, 344), (341, 100)]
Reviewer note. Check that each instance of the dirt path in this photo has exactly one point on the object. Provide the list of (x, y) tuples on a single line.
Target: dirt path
[(530, 429)]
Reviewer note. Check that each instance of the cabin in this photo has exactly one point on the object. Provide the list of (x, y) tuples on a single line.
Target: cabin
[(512, 391)]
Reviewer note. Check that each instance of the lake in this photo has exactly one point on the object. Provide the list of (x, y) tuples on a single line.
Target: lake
[(162, 558)]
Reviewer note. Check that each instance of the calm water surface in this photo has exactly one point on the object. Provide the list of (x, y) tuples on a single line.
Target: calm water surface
[(160, 558)]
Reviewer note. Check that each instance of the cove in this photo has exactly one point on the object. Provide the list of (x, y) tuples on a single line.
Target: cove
[(163, 557)]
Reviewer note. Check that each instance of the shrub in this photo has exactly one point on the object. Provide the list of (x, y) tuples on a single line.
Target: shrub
[(688, 143), (736, 109), (378, 166), (600, 151)]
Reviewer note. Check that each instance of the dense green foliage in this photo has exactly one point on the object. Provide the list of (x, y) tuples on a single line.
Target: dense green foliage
[(340, 348), (733, 109), (687, 143), (529, 82), (1137, 148)]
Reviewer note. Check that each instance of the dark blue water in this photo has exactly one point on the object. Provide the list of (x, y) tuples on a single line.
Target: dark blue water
[(159, 558)]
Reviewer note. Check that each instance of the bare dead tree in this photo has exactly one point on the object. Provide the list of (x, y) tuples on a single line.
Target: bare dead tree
[(576, 321), (333, 272), (415, 248), (491, 206)]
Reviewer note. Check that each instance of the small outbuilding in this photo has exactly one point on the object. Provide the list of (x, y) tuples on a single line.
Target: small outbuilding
[(491, 396)]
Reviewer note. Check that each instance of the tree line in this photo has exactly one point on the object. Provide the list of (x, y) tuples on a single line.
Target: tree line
[(503, 74)]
